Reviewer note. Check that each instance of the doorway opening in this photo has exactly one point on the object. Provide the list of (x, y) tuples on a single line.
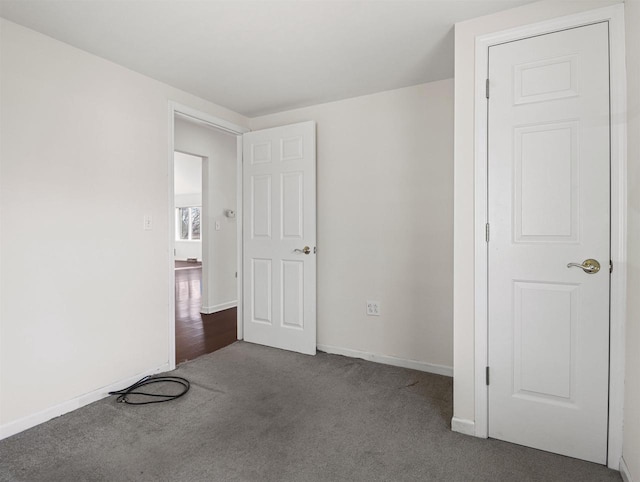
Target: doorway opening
[(198, 332), (205, 237)]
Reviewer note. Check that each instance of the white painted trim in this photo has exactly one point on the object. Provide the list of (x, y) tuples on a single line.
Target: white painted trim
[(176, 109), (171, 200), (206, 242), (461, 425), (618, 310), (624, 471), (209, 120), (207, 310), (240, 238), (481, 331), (17, 426), (389, 360), (615, 16)]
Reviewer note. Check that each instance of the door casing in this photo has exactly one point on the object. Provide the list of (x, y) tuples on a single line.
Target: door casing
[(614, 15), (176, 109)]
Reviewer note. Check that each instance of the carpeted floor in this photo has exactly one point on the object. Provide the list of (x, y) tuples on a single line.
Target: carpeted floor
[(261, 414)]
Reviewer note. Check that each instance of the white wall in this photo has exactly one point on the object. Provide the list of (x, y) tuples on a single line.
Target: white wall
[(384, 204), (188, 249), (187, 192), (631, 444), (84, 156), (463, 272), (219, 153)]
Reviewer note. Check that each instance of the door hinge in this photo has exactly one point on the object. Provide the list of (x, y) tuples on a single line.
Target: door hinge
[(610, 266), (486, 232), (487, 375), (487, 88)]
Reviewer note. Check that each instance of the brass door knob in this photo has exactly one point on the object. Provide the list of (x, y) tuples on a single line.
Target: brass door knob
[(589, 266)]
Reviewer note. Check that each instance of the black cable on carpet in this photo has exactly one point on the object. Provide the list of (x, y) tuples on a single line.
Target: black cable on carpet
[(161, 397)]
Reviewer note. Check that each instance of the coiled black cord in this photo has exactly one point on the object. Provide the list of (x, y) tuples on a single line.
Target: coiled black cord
[(148, 380)]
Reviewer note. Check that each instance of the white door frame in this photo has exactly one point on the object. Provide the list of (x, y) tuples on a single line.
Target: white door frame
[(615, 16), (228, 127)]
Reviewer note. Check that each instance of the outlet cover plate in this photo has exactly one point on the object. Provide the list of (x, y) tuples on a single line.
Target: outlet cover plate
[(373, 308)]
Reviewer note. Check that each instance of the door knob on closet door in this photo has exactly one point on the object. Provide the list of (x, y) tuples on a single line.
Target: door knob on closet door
[(305, 250), (589, 266)]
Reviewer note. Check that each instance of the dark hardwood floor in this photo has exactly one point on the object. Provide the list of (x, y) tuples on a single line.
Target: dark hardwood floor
[(198, 334)]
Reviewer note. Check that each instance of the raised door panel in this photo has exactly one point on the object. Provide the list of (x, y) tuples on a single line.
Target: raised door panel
[(548, 79), (261, 291), (260, 206), (292, 293), (544, 341), (546, 184), (292, 205), (260, 153)]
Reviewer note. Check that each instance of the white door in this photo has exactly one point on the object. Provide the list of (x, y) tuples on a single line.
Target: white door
[(548, 157), (279, 224)]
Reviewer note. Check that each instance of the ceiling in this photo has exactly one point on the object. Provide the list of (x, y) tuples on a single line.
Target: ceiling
[(259, 57)]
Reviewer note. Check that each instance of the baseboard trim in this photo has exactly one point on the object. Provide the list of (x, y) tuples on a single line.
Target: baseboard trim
[(624, 471), (208, 310), (25, 423), (389, 360), (464, 426)]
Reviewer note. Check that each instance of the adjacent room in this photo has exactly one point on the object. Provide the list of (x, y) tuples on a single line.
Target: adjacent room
[(206, 233), (356, 240)]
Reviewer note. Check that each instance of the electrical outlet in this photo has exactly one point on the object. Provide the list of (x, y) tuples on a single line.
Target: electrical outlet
[(373, 308)]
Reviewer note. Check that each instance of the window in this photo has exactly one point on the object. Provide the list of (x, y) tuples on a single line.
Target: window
[(188, 223)]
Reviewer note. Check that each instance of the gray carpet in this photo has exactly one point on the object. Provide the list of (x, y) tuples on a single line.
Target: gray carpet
[(261, 414)]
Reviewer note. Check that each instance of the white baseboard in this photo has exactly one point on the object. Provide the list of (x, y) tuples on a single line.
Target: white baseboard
[(207, 310), (461, 425), (22, 424), (389, 360), (624, 471)]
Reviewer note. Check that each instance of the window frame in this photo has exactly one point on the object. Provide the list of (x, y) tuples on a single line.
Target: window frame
[(178, 223)]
